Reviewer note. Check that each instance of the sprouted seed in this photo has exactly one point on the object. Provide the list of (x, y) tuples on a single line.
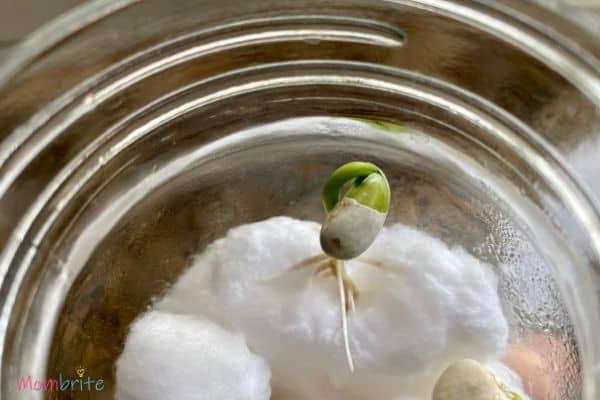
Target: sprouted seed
[(362, 208), (354, 217), (467, 379), (281, 285)]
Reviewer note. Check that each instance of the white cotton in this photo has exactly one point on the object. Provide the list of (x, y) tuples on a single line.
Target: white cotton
[(192, 294), (170, 356), (428, 306)]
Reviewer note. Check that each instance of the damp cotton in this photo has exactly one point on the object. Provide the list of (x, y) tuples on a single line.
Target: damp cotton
[(250, 319), (171, 356)]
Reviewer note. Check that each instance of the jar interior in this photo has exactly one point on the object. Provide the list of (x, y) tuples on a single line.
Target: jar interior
[(155, 146)]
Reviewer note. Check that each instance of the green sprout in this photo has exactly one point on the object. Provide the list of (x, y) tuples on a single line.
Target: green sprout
[(356, 198), (369, 186)]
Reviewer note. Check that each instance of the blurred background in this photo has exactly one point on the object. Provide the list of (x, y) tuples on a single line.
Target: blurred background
[(19, 17)]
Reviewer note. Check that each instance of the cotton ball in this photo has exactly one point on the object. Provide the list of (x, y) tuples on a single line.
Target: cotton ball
[(422, 306), (192, 293), (256, 252), (169, 356), (442, 302), (282, 238)]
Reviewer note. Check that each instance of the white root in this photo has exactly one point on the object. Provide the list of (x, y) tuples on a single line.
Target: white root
[(347, 290), (351, 300), (342, 289), (323, 269), (351, 289), (310, 260), (324, 266)]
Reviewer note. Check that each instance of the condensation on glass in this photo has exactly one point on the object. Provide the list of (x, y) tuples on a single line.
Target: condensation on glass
[(121, 155)]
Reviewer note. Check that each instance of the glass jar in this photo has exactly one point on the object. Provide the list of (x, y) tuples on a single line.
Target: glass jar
[(135, 133)]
